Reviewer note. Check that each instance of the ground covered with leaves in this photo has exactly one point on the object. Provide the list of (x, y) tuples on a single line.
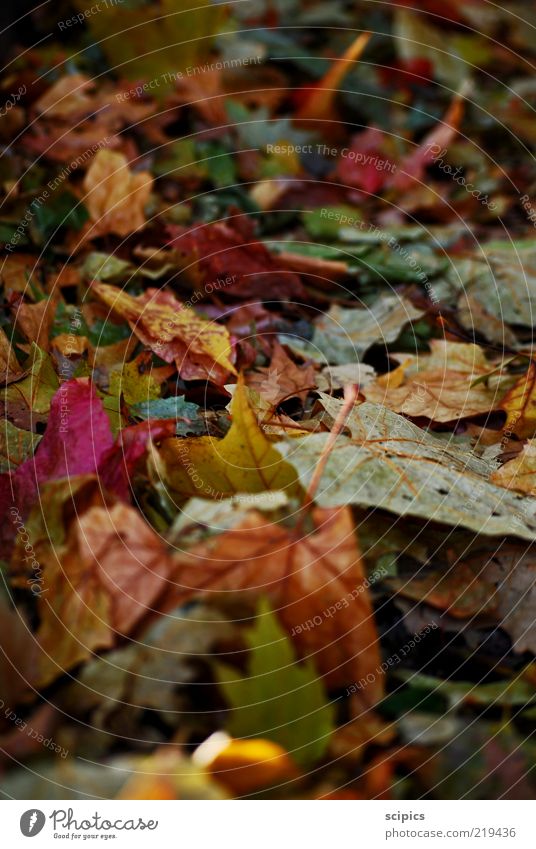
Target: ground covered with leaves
[(268, 453)]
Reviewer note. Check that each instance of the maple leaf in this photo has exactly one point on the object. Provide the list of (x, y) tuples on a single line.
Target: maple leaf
[(199, 348), (305, 574), (243, 461), (78, 440), (282, 379)]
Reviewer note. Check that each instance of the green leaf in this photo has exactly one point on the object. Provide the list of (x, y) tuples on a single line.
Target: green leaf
[(16, 445), (279, 699), (154, 41), (172, 408), (63, 210)]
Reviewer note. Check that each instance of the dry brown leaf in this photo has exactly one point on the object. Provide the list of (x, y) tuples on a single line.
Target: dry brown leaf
[(441, 390), (313, 576), (520, 405), (519, 473), (497, 585), (282, 379), (99, 586)]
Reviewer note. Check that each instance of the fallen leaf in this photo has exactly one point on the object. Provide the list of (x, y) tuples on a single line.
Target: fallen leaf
[(115, 196), (519, 473), (311, 577), (199, 348), (519, 403), (278, 699), (392, 464), (319, 105), (440, 386), (282, 379), (243, 461), (16, 446), (342, 336), (243, 265), (111, 571)]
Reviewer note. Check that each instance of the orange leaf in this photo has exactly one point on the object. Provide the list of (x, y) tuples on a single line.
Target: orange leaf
[(115, 196), (318, 107), (101, 584), (283, 379)]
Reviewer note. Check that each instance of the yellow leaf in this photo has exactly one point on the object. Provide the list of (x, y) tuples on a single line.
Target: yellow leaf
[(133, 383), (199, 348), (115, 196), (243, 461), (519, 473), (520, 405)]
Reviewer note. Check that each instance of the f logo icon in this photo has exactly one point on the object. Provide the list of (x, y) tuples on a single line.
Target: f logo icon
[(31, 822)]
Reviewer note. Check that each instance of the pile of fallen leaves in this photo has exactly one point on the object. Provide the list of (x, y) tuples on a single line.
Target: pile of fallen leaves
[(268, 455)]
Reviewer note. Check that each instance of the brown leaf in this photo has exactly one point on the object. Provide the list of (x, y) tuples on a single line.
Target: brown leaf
[(520, 405), (312, 577), (519, 473), (35, 320), (282, 379), (442, 389), (499, 585), (99, 586)]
